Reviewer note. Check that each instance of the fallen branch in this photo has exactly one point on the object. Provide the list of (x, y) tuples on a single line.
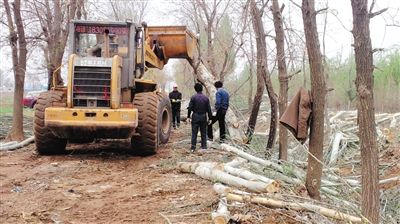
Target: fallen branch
[(294, 206), (18, 145), (385, 181), (222, 215)]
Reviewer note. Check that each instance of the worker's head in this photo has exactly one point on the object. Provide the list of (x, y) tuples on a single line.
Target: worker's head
[(175, 87), (198, 87), (218, 84)]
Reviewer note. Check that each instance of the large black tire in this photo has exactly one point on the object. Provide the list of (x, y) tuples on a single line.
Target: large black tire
[(165, 123), (46, 142), (154, 125)]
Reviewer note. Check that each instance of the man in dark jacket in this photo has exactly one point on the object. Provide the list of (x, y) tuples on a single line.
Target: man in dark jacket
[(221, 106), (200, 106), (176, 98)]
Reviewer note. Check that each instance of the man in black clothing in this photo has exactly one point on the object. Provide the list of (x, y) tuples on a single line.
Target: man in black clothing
[(200, 106), (176, 98), (221, 106)]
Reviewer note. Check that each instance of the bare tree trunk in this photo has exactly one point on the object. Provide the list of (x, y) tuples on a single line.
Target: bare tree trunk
[(256, 106), (262, 68), (318, 92), (283, 78), (366, 111), (19, 52)]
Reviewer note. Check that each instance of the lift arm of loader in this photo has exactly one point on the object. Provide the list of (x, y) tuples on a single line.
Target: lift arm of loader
[(165, 42)]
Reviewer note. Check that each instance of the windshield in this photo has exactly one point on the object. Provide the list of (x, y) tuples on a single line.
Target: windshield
[(90, 41)]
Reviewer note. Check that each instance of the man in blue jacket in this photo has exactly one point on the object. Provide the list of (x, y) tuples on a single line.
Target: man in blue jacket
[(221, 106)]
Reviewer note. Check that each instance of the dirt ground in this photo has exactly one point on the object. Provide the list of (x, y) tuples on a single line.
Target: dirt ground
[(102, 183)]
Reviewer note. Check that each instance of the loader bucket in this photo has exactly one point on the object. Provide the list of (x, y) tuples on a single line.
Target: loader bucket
[(177, 41)]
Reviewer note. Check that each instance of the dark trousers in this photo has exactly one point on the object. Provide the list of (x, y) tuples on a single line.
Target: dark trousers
[(220, 117), (199, 122), (176, 117)]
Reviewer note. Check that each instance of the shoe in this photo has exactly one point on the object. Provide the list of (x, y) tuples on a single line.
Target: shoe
[(192, 150)]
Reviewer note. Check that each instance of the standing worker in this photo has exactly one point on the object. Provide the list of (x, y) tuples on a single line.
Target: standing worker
[(200, 106), (221, 106), (176, 98)]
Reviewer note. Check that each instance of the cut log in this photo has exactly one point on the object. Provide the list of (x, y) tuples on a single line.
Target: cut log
[(222, 215), (236, 162), (297, 206), (251, 158), (213, 172), (247, 174), (265, 163)]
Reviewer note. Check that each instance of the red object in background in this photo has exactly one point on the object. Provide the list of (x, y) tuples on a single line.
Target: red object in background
[(30, 99)]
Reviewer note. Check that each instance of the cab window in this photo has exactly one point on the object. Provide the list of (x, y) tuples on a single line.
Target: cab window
[(90, 40)]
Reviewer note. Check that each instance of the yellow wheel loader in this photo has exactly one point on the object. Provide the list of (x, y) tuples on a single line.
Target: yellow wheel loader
[(106, 96)]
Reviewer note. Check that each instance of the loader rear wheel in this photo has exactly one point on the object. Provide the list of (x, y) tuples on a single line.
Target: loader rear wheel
[(46, 142), (154, 125)]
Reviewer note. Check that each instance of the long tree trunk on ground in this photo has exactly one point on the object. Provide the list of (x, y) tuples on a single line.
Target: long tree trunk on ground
[(18, 48), (366, 111), (283, 78), (262, 68), (318, 92)]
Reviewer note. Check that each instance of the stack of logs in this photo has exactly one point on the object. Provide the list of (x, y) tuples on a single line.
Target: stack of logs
[(255, 188)]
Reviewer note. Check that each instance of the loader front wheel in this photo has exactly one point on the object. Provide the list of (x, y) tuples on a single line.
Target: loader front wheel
[(46, 142), (154, 123)]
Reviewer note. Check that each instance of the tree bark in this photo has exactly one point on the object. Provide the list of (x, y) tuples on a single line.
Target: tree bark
[(366, 111), (55, 19), (283, 78), (318, 92), (255, 107), (19, 53), (262, 68)]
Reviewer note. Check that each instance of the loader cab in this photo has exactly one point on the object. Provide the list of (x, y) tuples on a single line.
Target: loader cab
[(96, 43)]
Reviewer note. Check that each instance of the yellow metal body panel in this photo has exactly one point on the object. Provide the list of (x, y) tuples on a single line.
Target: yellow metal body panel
[(116, 82), (151, 59), (71, 60), (93, 117)]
